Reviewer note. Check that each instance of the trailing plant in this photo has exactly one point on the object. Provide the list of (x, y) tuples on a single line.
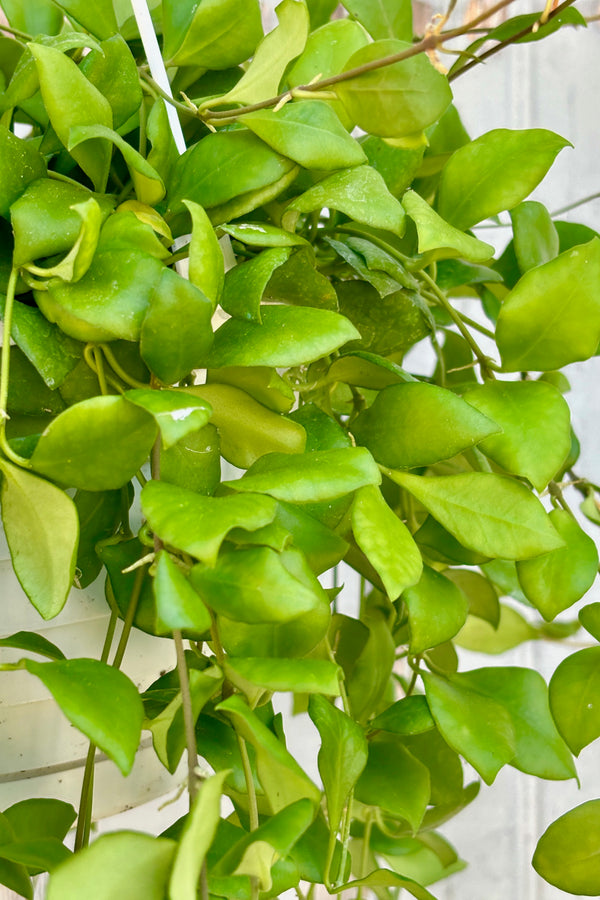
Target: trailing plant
[(445, 492)]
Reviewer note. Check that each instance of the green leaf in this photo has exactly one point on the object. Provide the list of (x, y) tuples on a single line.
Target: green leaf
[(263, 383), (342, 755), (396, 781), (382, 878), (262, 234), (42, 531), (481, 594), (247, 429), (437, 238), (206, 258), (310, 133), (477, 727), (70, 100), (310, 676), (574, 698), (437, 610), (125, 863), (383, 18), (22, 163), (171, 352), (259, 585), (214, 34), (386, 541), (245, 284), (33, 17), (198, 525), (310, 477), (567, 853), (98, 700), (554, 581), (41, 855), (147, 183), (410, 715), (589, 617), (536, 427), (495, 172), (112, 70), (100, 21), (79, 258), (282, 779), (16, 878), (389, 326), (359, 192), (396, 100), (322, 547), (552, 316), (178, 605), (439, 545), (40, 818), (96, 445), (288, 336), (416, 424), (33, 643), (273, 55), (222, 167), (397, 165), (535, 237), (540, 749), (176, 413), (490, 514), (196, 839)]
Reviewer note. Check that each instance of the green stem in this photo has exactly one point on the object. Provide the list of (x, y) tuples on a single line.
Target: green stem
[(252, 804), (131, 611), (119, 370), (84, 819), (188, 715), (21, 35), (564, 209), (556, 493), (364, 856), (58, 176), (5, 373), (485, 364)]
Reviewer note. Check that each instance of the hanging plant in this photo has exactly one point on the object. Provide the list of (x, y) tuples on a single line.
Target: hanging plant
[(214, 268)]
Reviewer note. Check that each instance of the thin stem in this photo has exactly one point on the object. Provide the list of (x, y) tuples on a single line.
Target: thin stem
[(364, 856), (252, 803), (556, 493), (511, 40), (95, 364), (5, 373), (58, 176), (131, 611), (118, 369), (100, 370), (484, 363), (22, 35), (188, 715), (564, 209)]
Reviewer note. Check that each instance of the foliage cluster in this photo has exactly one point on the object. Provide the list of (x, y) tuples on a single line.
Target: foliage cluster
[(342, 254)]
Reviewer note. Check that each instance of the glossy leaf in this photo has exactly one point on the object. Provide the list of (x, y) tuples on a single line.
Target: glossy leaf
[(283, 780), (194, 462), (124, 863), (552, 316), (206, 259), (567, 853), (359, 192), (536, 427), (79, 258), (416, 424), (98, 700), (213, 35), (384, 18), (487, 513), (73, 100), (439, 545), (310, 133), (321, 546), (384, 878), (245, 284), (198, 525), (263, 383), (437, 610), (540, 749), (101, 21), (33, 643), (589, 616), (262, 234), (477, 727), (288, 336), (396, 781), (176, 413), (396, 100), (177, 603), (22, 164), (169, 350), (113, 71), (574, 692), (42, 531), (481, 594), (410, 715), (148, 184), (247, 429), (554, 581), (311, 676), (310, 477), (535, 237), (273, 55), (386, 541), (40, 818), (342, 755), (495, 172), (97, 445), (259, 585), (437, 238)]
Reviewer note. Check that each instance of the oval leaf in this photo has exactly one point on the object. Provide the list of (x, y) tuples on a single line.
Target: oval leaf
[(177, 414), (575, 698), (567, 853), (437, 610)]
